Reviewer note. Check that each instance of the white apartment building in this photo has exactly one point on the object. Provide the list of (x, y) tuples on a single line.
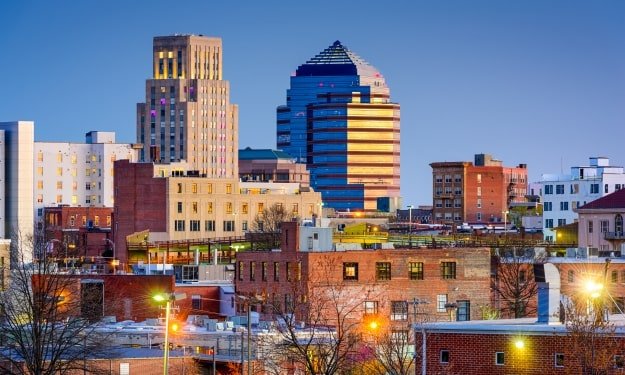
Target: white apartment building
[(77, 174), (16, 178), (562, 194)]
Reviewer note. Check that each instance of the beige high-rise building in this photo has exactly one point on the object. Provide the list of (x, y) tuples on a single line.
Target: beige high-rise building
[(187, 115)]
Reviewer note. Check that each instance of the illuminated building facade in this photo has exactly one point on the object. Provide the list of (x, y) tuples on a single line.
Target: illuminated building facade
[(339, 119), (187, 114)]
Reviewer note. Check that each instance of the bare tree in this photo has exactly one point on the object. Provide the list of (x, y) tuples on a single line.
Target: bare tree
[(46, 328), (513, 282), (593, 346), (319, 323), (266, 226)]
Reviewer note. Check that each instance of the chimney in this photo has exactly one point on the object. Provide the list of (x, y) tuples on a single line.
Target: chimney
[(290, 236), (547, 278)]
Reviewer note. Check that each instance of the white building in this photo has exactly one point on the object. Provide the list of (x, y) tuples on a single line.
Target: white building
[(16, 179), (77, 174), (562, 194)]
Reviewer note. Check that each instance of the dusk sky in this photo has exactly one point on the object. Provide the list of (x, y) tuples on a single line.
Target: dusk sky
[(535, 81)]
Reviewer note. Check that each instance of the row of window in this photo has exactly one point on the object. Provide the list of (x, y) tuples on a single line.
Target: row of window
[(383, 271), (89, 199), (59, 185), (74, 158), (564, 206), (448, 178), (399, 309), (293, 271), (229, 207), (209, 225), (574, 188), (500, 359), (74, 172), (605, 225)]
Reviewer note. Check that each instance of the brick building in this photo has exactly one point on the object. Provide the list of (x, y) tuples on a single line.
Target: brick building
[(78, 231), (173, 204), (393, 284), (558, 341), (476, 193)]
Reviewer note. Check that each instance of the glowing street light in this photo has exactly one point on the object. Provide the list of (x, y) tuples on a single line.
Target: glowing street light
[(519, 344), (168, 299), (593, 288)]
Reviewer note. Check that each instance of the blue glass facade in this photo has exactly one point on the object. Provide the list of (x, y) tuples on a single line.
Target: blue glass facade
[(337, 112)]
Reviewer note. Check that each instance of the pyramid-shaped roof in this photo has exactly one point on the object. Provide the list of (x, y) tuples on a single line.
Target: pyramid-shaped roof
[(336, 60), (613, 200)]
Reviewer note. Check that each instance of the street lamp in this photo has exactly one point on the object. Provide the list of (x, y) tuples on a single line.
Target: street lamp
[(114, 262), (505, 223), (168, 299)]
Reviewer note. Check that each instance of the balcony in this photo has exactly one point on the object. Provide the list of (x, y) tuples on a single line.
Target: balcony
[(614, 236)]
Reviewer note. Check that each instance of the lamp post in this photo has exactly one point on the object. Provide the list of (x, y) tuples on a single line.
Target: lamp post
[(168, 299), (410, 207), (505, 223), (114, 262)]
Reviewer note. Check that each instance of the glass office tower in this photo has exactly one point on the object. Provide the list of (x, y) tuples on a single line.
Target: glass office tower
[(339, 120)]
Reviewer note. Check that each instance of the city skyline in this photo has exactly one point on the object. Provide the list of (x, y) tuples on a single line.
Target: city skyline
[(533, 82)]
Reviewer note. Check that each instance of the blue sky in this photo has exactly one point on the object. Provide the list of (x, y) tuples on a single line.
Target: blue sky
[(534, 81)]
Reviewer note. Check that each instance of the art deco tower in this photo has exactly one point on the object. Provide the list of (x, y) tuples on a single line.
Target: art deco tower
[(339, 119), (187, 115)]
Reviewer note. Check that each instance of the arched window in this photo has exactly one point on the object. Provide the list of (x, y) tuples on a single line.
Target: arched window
[(618, 223)]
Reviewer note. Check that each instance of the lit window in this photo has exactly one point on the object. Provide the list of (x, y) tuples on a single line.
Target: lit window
[(228, 188), (40, 171), (59, 184), (229, 207), (209, 189), (399, 310), (209, 207), (371, 307), (383, 270), (40, 184), (448, 270), (194, 188), (415, 270), (194, 207), (40, 156), (350, 271), (59, 157), (244, 208), (441, 301)]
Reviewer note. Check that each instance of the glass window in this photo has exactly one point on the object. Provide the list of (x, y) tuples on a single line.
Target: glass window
[(263, 271), (463, 313), (350, 271), (441, 301), (276, 271), (448, 270), (179, 207), (383, 270), (559, 359), (371, 307), (415, 270), (499, 358), (399, 310), (445, 356)]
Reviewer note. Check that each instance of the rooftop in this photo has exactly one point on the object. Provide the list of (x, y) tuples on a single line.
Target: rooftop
[(337, 60), (610, 201), (263, 154)]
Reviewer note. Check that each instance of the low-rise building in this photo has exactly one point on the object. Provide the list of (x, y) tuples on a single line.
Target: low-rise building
[(562, 194), (601, 223)]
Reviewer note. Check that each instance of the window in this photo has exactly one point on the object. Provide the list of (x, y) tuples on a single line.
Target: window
[(479, 191), (59, 198), (194, 188), (263, 271), (261, 207), (276, 271), (179, 225), (478, 216), (371, 307), (350, 271), (564, 206), (547, 206), (522, 277), (457, 178), (194, 225), (244, 225), (548, 189), (196, 302), (548, 223), (559, 359), (619, 361), (445, 357), (240, 270), (40, 156), (383, 270), (194, 207), (252, 271), (438, 178), (209, 225), (448, 270), (179, 207), (499, 358), (479, 178), (399, 310), (209, 189), (244, 208), (179, 188), (229, 208), (295, 209), (415, 270), (108, 221), (604, 226), (228, 188), (614, 276), (228, 225), (209, 207), (561, 222), (571, 276), (463, 314), (590, 225), (96, 221), (594, 189), (59, 171), (605, 188), (288, 272), (618, 223), (441, 301), (559, 189), (447, 178)]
